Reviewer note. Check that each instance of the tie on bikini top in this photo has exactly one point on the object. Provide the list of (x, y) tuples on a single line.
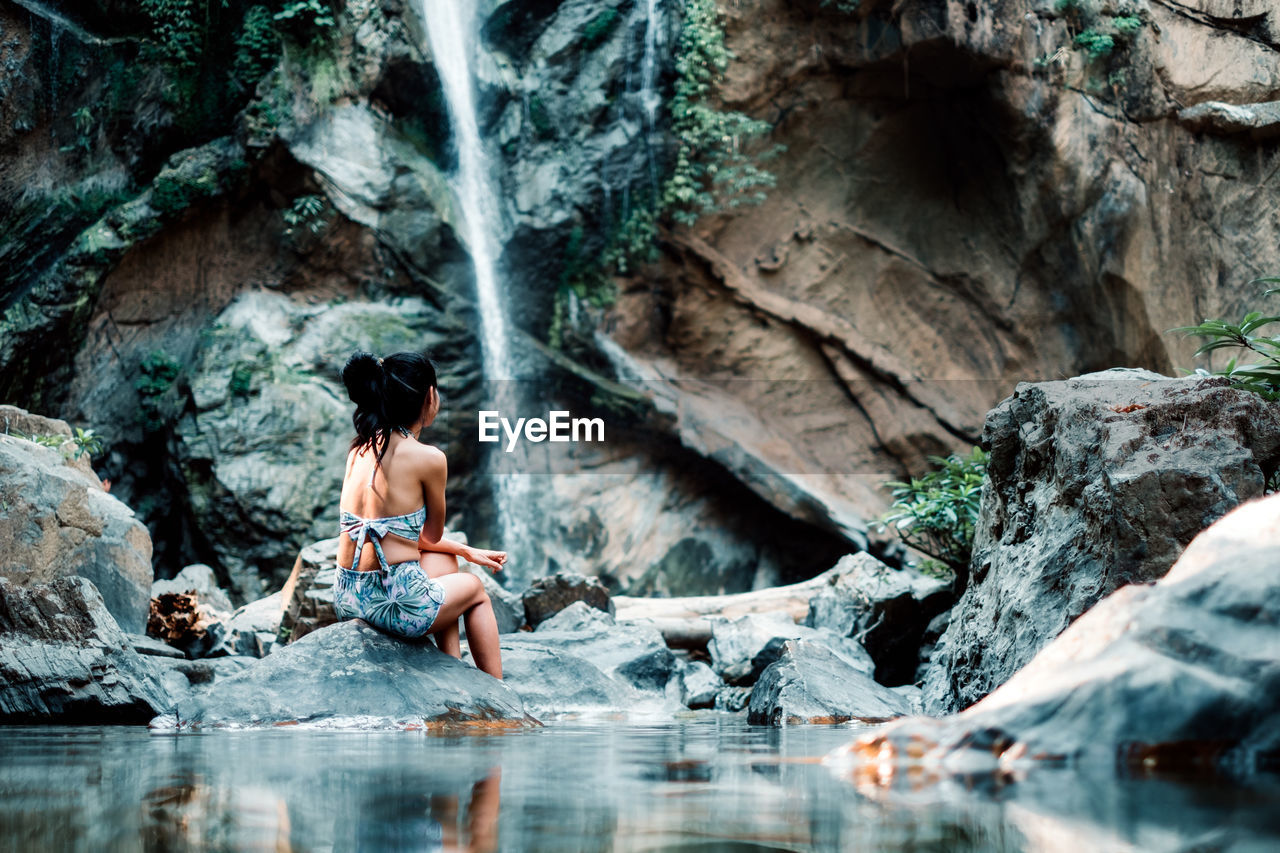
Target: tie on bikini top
[(373, 529)]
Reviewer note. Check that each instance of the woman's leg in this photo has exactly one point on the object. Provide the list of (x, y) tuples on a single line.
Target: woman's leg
[(437, 565), (464, 596)]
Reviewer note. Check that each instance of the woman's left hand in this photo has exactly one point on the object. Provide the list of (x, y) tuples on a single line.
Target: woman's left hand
[(490, 559)]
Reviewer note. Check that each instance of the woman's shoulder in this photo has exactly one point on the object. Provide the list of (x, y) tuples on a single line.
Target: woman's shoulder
[(427, 455)]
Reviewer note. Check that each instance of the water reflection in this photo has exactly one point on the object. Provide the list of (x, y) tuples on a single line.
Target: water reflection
[(712, 784)]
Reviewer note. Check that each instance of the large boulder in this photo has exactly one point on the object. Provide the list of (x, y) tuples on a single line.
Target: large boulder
[(743, 647), (549, 595), (553, 682), (1094, 483), (351, 674), (887, 609), (634, 655), (1177, 675), (58, 520), (809, 683), (63, 659)]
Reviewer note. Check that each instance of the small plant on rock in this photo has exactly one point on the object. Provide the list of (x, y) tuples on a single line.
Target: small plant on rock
[(1262, 375), (938, 512)]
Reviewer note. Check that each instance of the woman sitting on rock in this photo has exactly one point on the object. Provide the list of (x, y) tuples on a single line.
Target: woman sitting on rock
[(403, 577)]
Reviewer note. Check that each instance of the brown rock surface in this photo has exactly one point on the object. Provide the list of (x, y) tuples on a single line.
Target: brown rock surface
[(57, 521)]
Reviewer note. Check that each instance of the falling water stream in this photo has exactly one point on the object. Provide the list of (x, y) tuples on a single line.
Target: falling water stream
[(453, 36)]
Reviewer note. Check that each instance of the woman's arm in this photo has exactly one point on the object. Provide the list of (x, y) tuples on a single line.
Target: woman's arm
[(479, 556)]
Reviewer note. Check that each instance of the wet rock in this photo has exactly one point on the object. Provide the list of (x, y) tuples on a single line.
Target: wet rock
[(887, 609), (63, 659), (198, 580), (633, 655), (931, 644), (743, 647), (58, 521), (351, 671), (1175, 676), (1094, 482), (553, 681), (548, 596), (699, 684), (809, 683), (578, 616)]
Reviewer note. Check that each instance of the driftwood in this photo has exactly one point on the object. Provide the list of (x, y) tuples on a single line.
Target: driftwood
[(683, 622)]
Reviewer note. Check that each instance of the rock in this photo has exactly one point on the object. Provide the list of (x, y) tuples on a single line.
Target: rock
[(578, 616), (548, 596), (808, 683), (742, 648), (252, 629), (551, 681), (352, 674), (308, 593), (20, 422), (887, 609), (733, 700), (200, 581), (931, 644), (144, 645), (63, 659), (699, 685), (58, 521), (1261, 121), (1094, 482), (1181, 675), (634, 655)]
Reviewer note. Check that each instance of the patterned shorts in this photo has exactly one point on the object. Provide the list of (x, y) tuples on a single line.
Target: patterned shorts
[(402, 600)]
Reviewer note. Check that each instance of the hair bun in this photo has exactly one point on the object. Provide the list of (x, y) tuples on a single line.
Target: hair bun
[(365, 380)]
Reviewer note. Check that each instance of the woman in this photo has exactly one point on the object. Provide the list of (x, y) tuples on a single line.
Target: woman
[(394, 569)]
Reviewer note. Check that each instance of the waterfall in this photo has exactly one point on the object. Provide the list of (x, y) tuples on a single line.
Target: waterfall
[(454, 38), (649, 97)]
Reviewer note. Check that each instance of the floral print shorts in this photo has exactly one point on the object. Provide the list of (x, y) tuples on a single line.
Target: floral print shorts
[(402, 600)]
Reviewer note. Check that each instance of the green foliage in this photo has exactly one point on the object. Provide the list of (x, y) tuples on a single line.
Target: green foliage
[(1101, 35), (1097, 45), (306, 22), (52, 439), (713, 168), (241, 382), (1261, 376), (88, 443), (159, 372), (599, 28), (540, 118), (307, 213), (257, 47), (171, 192), (846, 6), (937, 513)]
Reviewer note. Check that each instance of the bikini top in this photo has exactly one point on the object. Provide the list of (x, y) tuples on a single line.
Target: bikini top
[(361, 529)]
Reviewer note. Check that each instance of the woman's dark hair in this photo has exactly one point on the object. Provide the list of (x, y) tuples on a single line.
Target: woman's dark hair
[(388, 392)]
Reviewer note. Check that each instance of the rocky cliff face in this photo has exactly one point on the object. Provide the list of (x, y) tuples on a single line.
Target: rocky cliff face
[(966, 199)]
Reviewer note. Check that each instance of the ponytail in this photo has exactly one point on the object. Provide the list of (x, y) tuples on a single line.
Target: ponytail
[(389, 394)]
